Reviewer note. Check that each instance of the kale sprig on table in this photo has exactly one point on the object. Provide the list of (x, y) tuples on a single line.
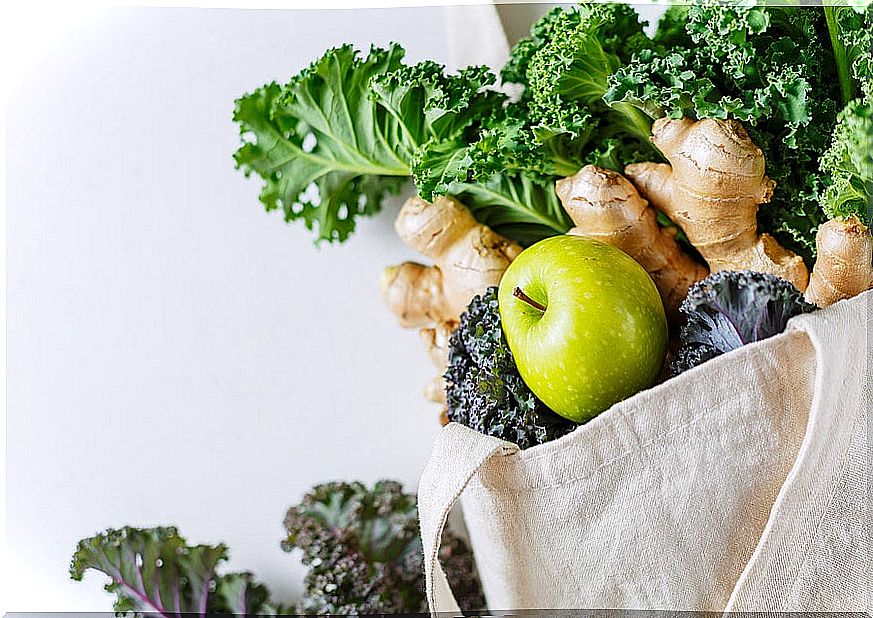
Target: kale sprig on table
[(364, 553), (154, 571)]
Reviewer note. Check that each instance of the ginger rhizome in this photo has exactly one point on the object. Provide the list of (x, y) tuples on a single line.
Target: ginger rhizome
[(467, 257), (844, 261), (436, 342), (607, 207), (711, 189)]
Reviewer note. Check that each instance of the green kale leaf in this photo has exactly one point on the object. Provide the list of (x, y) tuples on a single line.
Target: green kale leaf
[(847, 165), (768, 67), (561, 122), (154, 571), (343, 133), (348, 131), (851, 33), (484, 390), (521, 207)]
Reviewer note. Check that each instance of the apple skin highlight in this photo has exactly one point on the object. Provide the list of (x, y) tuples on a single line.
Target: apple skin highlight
[(603, 334)]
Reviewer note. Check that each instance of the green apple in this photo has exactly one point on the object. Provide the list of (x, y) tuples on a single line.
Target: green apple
[(585, 323)]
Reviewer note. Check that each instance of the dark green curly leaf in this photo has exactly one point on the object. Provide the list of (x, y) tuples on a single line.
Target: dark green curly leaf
[(363, 550), (484, 390)]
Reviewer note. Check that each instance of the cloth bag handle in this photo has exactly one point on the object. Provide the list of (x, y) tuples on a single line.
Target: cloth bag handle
[(442, 483)]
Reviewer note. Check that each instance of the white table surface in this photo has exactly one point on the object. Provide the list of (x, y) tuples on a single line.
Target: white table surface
[(176, 355)]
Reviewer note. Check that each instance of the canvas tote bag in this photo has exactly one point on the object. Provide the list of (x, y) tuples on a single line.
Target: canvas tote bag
[(740, 485)]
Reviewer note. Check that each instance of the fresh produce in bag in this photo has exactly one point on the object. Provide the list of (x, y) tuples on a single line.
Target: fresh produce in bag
[(720, 143), (642, 206)]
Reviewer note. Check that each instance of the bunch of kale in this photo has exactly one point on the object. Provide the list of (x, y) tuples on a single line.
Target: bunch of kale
[(591, 83), (361, 545), (484, 390)]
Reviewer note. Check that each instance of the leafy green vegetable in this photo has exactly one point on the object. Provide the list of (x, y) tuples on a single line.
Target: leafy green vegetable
[(364, 553), (520, 207), (362, 547), (155, 571), (347, 131), (847, 166), (344, 132), (730, 309), (484, 390), (851, 34), (561, 121)]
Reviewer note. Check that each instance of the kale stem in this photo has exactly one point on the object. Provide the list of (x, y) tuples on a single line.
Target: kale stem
[(640, 124), (846, 86), (530, 301)]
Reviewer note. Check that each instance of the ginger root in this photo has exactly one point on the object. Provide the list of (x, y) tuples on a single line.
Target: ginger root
[(712, 189), (605, 206), (436, 342), (468, 258), (414, 293), (844, 262)]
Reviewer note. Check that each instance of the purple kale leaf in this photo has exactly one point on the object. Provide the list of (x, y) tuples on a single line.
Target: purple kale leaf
[(153, 571), (729, 309)]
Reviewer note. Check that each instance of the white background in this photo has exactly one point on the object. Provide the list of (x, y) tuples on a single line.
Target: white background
[(176, 355)]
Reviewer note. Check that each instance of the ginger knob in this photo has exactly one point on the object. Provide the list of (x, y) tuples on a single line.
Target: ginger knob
[(844, 262), (467, 259), (712, 189)]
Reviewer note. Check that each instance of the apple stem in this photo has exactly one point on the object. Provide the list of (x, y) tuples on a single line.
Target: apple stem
[(530, 301)]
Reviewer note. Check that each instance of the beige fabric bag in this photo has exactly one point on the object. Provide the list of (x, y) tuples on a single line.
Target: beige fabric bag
[(740, 485)]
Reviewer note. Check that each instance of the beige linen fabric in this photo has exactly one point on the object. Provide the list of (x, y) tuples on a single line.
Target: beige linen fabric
[(740, 485)]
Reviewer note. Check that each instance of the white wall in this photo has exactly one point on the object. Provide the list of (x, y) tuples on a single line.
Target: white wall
[(175, 355)]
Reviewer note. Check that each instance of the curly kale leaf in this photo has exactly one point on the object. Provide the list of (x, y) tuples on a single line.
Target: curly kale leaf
[(343, 133), (484, 390), (749, 63), (730, 309), (505, 171), (771, 68), (561, 122), (520, 207), (518, 204), (364, 554), (847, 166), (154, 571), (428, 106)]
